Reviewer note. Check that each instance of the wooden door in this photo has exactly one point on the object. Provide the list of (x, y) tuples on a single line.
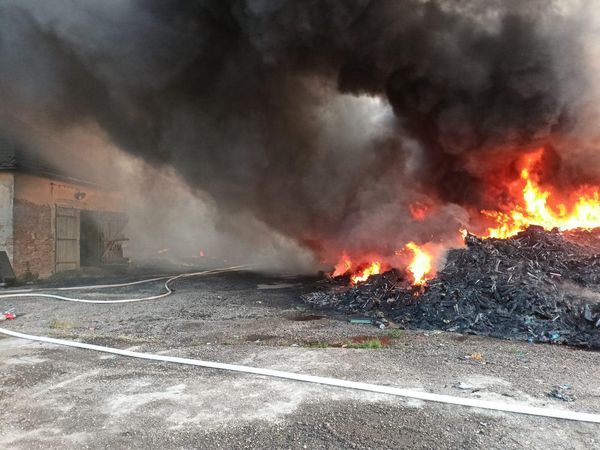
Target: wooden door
[(67, 239)]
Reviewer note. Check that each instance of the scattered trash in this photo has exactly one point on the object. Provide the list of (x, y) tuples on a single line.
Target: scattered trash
[(8, 315), (476, 357), (361, 320), (562, 392)]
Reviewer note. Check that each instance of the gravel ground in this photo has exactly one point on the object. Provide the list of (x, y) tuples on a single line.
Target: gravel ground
[(58, 397)]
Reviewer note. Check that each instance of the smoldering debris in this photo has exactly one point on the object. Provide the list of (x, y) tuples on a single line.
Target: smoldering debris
[(541, 286)]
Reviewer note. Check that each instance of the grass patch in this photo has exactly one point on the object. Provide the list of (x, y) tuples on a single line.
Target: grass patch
[(233, 340), (317, 344), (357, 342), (61, 324), (370, 344), (396, 333)]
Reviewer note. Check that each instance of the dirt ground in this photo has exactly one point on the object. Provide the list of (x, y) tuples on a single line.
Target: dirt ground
[(59, 397)]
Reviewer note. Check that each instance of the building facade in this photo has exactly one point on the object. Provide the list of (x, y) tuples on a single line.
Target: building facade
[(50, 224)]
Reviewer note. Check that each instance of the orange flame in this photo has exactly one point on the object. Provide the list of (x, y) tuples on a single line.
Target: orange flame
[(342, 267), (418, 211), (534, 207), (362, 273), (420, 267), (372, 269)]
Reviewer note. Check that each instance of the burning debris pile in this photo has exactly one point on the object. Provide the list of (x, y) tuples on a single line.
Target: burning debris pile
[(363, 132), (542, 286)]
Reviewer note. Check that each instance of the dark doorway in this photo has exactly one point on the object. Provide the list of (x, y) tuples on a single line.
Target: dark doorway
[(91, 240), (101, 238)]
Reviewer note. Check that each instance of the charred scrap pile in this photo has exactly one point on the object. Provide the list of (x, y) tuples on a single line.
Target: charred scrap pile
[(541, 286)]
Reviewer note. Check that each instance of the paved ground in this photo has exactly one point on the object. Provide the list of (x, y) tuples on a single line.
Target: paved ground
[(57, 397)]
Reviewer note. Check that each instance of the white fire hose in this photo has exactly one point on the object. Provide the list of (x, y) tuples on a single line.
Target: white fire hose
[(390, 390), (168, 291)]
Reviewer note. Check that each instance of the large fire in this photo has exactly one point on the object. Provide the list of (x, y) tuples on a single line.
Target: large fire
[(363, 274), (530, 203), (343, 266), (535, 205), (359, 273), (420, 267)]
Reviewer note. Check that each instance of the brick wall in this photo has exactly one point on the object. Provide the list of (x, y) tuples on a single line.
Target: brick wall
[(33, 240)]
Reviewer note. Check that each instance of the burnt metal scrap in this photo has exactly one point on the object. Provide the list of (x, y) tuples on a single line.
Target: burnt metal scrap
[(541, 286)]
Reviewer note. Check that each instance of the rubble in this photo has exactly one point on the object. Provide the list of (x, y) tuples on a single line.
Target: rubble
[(541, 286)]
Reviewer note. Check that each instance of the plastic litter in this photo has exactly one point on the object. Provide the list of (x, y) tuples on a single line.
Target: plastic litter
[(361, 320), (8, 315)]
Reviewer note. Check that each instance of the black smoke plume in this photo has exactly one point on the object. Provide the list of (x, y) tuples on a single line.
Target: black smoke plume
[(324, 120)]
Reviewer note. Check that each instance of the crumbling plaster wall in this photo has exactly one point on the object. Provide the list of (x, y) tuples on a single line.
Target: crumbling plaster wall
[(7, 186)]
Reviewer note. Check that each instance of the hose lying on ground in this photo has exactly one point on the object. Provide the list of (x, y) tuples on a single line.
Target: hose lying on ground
[(168, 291), (390, 390), (407, 393), (80, 288)]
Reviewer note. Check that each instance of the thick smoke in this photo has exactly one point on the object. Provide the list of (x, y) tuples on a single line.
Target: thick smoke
[(324, 121)]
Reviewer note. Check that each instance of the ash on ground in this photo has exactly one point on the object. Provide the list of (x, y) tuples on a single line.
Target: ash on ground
[(541, 286)]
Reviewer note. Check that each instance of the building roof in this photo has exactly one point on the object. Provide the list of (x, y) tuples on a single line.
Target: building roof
[(19, 156), (13, 155)]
